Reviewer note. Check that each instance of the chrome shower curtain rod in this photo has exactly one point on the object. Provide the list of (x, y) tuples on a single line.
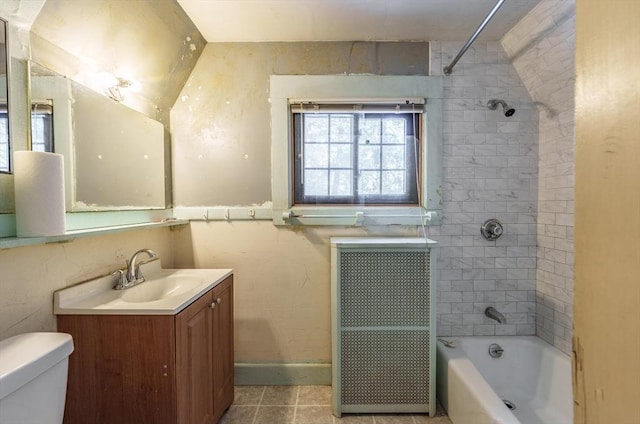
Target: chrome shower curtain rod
[(448, 69)]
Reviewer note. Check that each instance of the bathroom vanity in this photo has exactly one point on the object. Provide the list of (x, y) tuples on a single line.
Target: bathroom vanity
[(160, 352)]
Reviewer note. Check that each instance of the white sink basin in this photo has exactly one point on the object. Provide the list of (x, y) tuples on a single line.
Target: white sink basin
[(156, 289), (165, 292)]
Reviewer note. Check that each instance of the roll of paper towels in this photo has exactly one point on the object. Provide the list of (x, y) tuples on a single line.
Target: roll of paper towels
[(39, 193)]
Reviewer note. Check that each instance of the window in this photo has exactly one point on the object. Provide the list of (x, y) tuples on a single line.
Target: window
[(340, 155), (42, 127), (364, 157)]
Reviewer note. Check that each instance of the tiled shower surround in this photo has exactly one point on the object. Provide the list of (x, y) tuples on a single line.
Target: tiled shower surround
[(490, 171), (541, 47)]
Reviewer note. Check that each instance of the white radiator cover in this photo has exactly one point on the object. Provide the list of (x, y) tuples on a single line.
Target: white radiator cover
[(383, 325)]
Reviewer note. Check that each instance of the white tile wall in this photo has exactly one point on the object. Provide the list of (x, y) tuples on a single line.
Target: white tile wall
[(541, 47), (490, 171)]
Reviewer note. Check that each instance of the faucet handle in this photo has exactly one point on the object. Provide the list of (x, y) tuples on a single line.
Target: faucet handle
[(122, 279)]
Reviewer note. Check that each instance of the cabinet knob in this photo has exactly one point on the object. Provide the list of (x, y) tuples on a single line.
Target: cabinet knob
[(213, 305), (218, 300)]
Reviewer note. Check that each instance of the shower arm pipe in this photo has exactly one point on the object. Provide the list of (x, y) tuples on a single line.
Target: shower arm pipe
[(448, 69)]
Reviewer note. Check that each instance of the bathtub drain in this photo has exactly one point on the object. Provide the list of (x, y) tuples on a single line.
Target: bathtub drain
[(509, 404)]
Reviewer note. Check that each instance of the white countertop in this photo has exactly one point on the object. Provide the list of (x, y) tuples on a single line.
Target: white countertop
[(97, 297)]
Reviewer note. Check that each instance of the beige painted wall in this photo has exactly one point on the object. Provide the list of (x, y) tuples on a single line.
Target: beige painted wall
[(221, 121), (281, 282), (607, 284), (30, 275), (221, 150)]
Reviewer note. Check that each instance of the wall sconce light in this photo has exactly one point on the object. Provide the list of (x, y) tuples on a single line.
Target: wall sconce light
[(115, 92), (115, 87)]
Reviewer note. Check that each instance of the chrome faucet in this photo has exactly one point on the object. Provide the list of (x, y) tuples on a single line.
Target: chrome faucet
[(492, 313), (133, 275)]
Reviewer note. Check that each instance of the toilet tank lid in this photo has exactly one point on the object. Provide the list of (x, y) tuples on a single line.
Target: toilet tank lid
[(26, 356)]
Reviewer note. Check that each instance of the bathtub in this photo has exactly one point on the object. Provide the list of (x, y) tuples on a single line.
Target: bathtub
[(531, 374)]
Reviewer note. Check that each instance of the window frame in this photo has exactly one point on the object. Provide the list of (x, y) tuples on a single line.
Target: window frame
[(340, 88), (56, 91)]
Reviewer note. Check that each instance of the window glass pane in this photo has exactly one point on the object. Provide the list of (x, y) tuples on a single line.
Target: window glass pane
[(369, 130), (340, 156), (341, 129), (369, 182), (369, 157), (316, 183), (393, 182), (393, 157), (316, 128), (316, 155), (341, 183), (393, 130), (42, 131), (37, 133), (329, 158), (4, 156)]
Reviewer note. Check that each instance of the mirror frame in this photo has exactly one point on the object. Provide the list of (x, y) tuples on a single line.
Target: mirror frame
[(8, 93)]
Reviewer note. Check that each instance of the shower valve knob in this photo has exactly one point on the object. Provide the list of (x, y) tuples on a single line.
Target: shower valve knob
[(491, 229)]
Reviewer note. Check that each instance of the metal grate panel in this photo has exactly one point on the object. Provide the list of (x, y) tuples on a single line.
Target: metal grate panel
[(383, 333), (385, 367), (383, 288)]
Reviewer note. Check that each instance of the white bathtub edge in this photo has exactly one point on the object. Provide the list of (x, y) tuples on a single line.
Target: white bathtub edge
[(469, 398)]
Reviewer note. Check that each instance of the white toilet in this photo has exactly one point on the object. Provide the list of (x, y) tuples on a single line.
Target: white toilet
[(33, 378)]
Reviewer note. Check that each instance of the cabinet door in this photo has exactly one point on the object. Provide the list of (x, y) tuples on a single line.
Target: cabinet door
[(223, 346), (121, 370), (194, 352)]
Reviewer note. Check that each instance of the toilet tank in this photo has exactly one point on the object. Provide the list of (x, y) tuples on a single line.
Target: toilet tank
[(33, 377)]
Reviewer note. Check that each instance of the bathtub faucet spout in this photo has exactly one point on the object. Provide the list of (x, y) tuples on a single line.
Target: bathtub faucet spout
[(492, 313)]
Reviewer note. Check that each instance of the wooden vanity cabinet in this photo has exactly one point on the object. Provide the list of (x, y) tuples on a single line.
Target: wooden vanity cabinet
[(174, 369)]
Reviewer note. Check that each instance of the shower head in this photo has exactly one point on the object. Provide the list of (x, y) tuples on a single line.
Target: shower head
[(493, 105)]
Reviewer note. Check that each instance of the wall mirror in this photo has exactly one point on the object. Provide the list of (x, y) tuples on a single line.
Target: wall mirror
[(5, 151), (116, 158)]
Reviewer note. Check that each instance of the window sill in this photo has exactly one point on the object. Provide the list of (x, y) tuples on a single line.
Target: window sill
[(356, 216)]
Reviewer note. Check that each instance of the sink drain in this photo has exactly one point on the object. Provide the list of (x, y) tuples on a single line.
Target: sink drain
[(509, 404)]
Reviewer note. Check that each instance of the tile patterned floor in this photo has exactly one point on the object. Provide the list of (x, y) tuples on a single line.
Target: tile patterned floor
[(305, 405)]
